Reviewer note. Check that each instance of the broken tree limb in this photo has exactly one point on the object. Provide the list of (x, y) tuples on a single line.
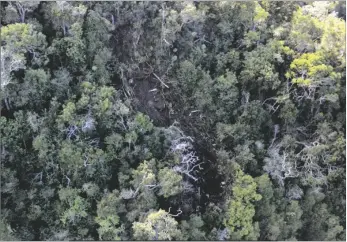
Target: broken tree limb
[(160, 80), (153, 90)]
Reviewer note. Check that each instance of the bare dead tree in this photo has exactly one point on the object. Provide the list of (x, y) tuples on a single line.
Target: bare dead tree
[(88, 124), (21, 10), (10, 62), (23, 7), (276, 131), (72, 131), (131, 194), (278, 166), (181, 146), (188, 159), (85, 160), (273, 107), (94, 142), (305, 93), (310, 155), (310, 163)]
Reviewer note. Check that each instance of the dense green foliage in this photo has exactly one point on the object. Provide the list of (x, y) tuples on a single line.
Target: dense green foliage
[(173, 120)]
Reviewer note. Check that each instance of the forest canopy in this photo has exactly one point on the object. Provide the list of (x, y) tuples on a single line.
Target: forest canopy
[(179, 120)]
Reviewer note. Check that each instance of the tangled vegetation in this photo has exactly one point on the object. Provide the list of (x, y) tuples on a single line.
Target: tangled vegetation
[(173, 120)]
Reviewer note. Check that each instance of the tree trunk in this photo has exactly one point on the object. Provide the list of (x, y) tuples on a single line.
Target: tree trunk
[(64, 29), (7, 104), (21, 12), (112, 17)]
